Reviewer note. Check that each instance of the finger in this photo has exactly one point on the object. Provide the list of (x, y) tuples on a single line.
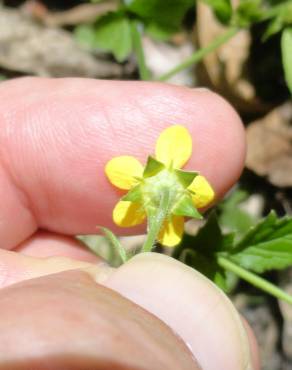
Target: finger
[(16, 267), (191, 305), (67, 321), (44, 244), (178, 295), (57, 135)]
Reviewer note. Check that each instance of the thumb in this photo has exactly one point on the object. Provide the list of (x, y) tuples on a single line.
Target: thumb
[(191, 305)]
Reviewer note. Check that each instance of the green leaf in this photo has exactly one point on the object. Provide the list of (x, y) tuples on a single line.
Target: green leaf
[(165, 13), (286, 45), (222, 9), (85, 35), (159, 32), (186, 177), (232, 217), (275, 26), (134, 195), (248, 12), (208, 241), (115, 243), (113, 34), (186, 208), (136, 31), (152, 167), (266, 246), (206, 266)]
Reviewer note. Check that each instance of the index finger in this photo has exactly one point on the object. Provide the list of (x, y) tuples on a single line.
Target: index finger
[(57, 135)]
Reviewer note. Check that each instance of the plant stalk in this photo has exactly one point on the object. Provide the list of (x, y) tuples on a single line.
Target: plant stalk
[(139, 51), (201, 53), (255, 280), (155, 222)]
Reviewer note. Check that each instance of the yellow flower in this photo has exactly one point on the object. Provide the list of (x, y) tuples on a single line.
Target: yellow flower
[(186, 191)]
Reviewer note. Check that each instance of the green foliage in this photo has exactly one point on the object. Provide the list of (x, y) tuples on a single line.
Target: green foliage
[(275, 26), (112, 33), (286, 45), (158, 32), (136, 31), (117, 32), (222, 9), (200, 251), (248, 12), (232, 216), (85, 36), (265, 246), (166, 15)]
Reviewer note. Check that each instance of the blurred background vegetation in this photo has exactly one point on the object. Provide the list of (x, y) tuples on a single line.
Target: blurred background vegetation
[(240, 49)]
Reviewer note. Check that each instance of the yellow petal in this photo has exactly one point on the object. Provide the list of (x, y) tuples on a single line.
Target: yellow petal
[(121, 171), (203, 192), (174, 146), (127, 214), (172, 231)]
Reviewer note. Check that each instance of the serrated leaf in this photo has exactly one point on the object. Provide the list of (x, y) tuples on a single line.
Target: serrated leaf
[(134, 195), (113, 34), (286, 46), (266, 246), (115, 243), (186, 208), (221, 8), (165, 13), (186, 177), (152, 167)]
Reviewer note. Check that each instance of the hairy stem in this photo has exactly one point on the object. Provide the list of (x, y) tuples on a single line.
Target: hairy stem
[(255, 280), (155, 222)]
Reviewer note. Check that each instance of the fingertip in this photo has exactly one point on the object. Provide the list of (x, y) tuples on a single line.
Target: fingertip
[(66, 130), (254, 348), (190, 304), (219, 140)]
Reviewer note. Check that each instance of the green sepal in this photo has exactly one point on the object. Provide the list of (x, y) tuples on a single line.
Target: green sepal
[(185, 207), (134, 195), (186, 177), (114, 241), (152, 167)]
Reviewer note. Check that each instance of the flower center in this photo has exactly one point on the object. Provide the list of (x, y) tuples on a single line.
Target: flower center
[(154, 187)]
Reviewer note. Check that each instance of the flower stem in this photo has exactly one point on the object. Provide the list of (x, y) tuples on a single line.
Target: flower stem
[(255, 280), (201, 53), (155, 222), (139, 52)]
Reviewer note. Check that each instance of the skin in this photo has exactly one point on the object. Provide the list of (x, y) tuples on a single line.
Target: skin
[(74, 311)]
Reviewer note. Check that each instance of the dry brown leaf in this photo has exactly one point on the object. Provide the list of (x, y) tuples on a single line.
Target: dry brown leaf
[(31, 48), (225, 69), (270, 146)]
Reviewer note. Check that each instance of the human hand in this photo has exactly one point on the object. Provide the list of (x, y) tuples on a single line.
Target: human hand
[(55, 138)]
